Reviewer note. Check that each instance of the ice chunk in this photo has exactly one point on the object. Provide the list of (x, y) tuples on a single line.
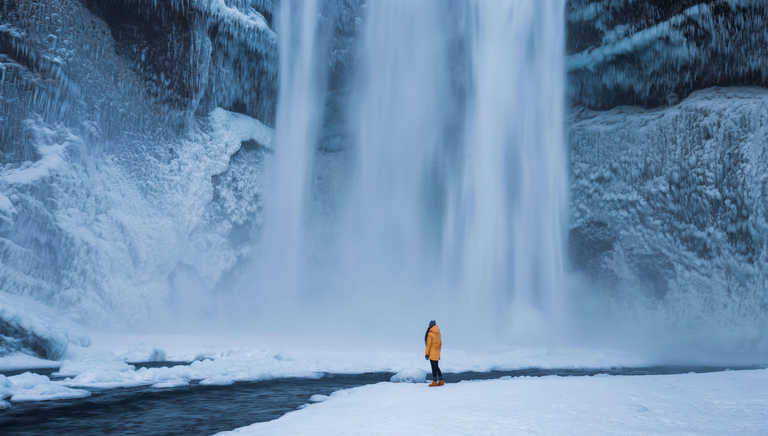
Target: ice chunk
[(410, 375), (217, 381), (318, 398), (36, 387), (175, 383)]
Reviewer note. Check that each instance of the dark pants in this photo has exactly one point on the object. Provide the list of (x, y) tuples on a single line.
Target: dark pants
[(436, 373)]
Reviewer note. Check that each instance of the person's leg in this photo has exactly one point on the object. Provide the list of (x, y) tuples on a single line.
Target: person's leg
[(435, 369), (439, 373)]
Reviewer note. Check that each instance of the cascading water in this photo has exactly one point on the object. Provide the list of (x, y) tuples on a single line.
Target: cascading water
[(513, 193), (281, 259), (456, 187)]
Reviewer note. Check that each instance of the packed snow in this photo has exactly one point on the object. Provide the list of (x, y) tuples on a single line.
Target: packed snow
[(705, 404)]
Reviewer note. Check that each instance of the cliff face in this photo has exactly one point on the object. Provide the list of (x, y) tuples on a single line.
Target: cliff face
[(111, 155), (668, 185), (673, 201), (109, 140)]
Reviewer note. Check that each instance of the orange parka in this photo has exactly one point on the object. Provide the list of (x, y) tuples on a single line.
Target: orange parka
[(434, 343)]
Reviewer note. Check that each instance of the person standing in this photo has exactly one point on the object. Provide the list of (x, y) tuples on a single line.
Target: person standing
[(432, 353)]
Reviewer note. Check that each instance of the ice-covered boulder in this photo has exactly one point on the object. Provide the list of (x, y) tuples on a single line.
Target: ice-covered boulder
[(29, 327)]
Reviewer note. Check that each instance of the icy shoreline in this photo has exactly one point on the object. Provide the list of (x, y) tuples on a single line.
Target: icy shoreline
[(215, 360)]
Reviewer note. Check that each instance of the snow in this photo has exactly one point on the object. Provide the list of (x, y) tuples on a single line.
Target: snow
[(214, 359), (233, 128), (171, 383), (51, 144), (224, 360), (318, 398), (36, 387), (249, 20), (705, 404), (410, 375), (6, 206), (343, 358), (16, 361)]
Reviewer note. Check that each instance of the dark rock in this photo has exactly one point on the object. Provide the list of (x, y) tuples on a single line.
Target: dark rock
[(652, 53), (16, 339), (588, 244)]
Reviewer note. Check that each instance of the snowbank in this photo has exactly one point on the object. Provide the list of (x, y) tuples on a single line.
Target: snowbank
[(16, 361), (719, 403), (35, 387)]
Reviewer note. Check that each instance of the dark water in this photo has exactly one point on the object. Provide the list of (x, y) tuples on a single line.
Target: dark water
[(202, 410)]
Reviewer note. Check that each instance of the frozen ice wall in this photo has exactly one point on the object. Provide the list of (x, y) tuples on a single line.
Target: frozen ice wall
[(123, 124)]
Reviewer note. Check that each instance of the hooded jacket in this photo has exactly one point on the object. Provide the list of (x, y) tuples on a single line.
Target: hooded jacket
[(434, 343)]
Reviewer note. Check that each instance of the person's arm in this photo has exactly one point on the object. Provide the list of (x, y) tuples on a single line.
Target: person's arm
[(429, 345)]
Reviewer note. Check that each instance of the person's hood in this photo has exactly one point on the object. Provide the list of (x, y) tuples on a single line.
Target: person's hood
[(435, 328)]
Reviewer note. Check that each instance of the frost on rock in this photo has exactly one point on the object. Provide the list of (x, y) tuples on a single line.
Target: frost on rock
[(120, 119), (656, 53), (672, 202), (31, 328)]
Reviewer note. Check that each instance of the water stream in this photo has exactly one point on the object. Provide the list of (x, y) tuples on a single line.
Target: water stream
[(203, 410)]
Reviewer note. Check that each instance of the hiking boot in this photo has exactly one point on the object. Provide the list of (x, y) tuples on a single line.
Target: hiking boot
[(433, 384), (441, 382)]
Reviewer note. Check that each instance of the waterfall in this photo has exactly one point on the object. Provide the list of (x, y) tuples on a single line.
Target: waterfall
[(513, 190), (454, 192), (281, 258)]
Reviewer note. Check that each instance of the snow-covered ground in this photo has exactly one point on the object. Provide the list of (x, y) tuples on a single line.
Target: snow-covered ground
[(733, 402)]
